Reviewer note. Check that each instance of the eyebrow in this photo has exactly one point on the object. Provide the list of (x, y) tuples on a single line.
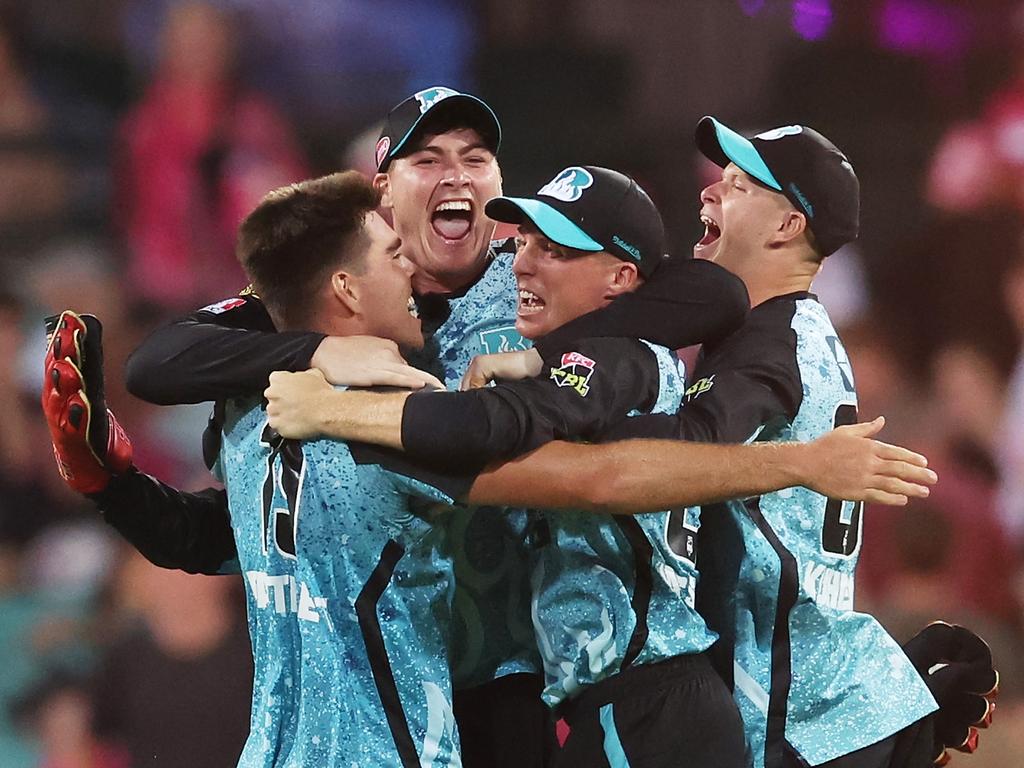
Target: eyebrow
[(435, 150)]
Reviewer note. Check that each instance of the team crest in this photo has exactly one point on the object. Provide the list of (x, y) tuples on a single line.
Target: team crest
[(429, 97), (504, 339), (382, 149), (568, 186), (575, 372), (778, 133)]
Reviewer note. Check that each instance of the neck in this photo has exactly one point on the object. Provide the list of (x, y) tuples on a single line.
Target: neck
[(431, 279), (767, 276)]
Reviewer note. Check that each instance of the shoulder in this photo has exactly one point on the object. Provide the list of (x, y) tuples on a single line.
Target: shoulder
[(246, 310)]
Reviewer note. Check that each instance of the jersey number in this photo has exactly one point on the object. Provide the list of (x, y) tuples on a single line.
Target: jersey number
[(681, 535), (840, 533), (284, 478)]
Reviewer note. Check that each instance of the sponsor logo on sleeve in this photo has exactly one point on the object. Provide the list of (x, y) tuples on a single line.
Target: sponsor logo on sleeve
[(574, 372), (568, 186), (699, 387), (223, 306)]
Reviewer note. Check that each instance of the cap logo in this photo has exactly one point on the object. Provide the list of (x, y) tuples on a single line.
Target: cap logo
[(431, 96), (632, 250), (383, 145), (568, 185), (778, 133)]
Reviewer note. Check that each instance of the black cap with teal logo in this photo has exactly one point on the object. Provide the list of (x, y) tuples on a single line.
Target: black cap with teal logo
[(402, 122), (803, 165), (592, 209)]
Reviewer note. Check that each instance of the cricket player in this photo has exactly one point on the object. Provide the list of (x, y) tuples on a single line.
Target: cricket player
[(817, 682), (437, 165), (173, 514)]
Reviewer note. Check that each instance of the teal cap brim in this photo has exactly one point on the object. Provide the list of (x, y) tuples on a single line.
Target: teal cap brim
[(555, 226), (735, 148)]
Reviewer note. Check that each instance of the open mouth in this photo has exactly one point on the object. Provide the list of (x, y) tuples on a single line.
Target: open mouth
[(529, 303), (452, 219), (413, 309), (711, 231)]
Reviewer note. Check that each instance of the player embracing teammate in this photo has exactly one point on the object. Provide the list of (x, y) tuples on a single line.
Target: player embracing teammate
[(438, 171)]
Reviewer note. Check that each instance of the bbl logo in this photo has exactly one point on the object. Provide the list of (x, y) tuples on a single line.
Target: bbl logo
[(504, 339), (431, 96), (575, 372), (568, 185)]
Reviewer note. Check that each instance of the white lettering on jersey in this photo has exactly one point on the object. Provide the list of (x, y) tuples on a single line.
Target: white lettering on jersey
[(285, 595), (829, 587)]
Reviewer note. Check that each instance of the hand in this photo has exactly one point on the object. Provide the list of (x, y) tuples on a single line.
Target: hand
[(847, 464), (366, 361), (292, 403), (88, 443), (483, 369), (957, 666)]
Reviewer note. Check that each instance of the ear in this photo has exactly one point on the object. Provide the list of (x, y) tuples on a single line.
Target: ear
[(623, 278), (792, 226), (348, 292), (382, 183)]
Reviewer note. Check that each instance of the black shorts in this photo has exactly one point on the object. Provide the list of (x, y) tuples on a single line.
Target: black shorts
[(908, 748), (504, 724), (676, 713)]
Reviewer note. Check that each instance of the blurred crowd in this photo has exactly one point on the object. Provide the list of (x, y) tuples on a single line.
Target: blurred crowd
[(135, 135)]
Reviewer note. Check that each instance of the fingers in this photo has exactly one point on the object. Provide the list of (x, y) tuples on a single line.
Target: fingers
[(864, 428), (898, 453), (405, 377), (910, 472), (900, 487), (875, 496)]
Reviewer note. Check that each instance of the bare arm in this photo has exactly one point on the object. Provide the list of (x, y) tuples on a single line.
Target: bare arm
[(635, 476), (303, 405)]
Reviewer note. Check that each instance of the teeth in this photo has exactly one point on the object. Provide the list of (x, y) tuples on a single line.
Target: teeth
[(528, 296), (413, 309), (707, 221), (453, 205)]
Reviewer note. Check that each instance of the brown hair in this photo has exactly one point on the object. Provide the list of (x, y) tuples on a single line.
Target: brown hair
[(300, 233)]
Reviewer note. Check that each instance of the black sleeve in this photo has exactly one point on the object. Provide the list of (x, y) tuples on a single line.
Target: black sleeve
[(750, 387), (171, 528), (687, 301), (578, 395), (226, 350)]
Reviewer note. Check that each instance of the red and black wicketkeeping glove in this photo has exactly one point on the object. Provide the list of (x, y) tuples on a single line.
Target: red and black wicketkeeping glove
[(88, 443), (957, 666)]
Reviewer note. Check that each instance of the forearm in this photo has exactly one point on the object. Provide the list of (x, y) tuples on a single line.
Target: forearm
[(172, 529), (367, 417), (639, 475)]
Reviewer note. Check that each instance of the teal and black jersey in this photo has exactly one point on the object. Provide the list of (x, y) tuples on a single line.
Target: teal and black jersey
[(811, 675), (608, 592), (348, 586), (612, 592), (492, 635)]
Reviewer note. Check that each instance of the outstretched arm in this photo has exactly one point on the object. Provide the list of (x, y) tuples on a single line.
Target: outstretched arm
[(633, 476), (578, 395)]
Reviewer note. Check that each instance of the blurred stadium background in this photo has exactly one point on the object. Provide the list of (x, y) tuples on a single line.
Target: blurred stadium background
[(135, 134)]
